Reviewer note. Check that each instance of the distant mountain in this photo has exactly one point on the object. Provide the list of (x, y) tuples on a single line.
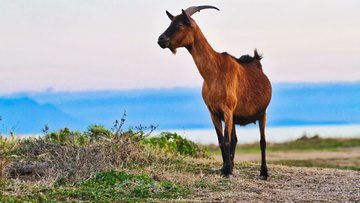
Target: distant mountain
[(24, 115), (178, 108), (168, 108)]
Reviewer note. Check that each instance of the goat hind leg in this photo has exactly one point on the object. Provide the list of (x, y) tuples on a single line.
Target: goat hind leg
[(227, 138), (263, 172), (233, 146)]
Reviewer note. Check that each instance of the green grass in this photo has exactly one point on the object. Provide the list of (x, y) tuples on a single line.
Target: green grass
[(344, 164), (115, 185), (304, 143), (106, 187)]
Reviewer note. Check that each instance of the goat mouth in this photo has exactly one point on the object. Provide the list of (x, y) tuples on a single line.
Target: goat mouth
[(172, 50), (166, 44), (163, 43)]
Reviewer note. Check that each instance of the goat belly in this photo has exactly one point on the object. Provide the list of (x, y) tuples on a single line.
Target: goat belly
[(240, 120)]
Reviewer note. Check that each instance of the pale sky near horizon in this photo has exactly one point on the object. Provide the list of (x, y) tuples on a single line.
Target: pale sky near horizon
[(72, 45)]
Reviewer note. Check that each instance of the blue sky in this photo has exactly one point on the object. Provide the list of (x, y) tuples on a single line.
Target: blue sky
[(74, 45)]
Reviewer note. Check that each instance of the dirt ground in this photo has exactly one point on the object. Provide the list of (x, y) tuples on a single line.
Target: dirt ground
[(290, 184), (287, 184)]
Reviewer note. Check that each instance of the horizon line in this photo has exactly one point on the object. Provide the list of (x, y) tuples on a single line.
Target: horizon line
[(59, 91)]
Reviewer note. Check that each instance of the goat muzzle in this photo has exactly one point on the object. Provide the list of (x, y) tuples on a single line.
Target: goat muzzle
[(163, 41)]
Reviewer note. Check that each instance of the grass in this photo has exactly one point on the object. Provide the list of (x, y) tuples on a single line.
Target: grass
[(118, 185), (315, 143), (97, 165), (100, 165), (106, 187), (344, 163)]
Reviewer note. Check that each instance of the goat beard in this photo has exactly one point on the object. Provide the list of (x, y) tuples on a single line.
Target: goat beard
[(173, 50)]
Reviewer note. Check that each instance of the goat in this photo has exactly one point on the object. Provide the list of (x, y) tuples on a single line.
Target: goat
[(235, 91)]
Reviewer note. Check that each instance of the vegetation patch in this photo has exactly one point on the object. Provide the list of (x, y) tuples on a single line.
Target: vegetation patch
[(343, 163), (304, 143), (39, 158), (174, 143), (95, 165), (108, 186), (101, 165)]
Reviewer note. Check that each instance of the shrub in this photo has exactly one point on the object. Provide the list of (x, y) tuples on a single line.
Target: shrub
[(75, 155), (174, 143), (97, 131), (65, 136)]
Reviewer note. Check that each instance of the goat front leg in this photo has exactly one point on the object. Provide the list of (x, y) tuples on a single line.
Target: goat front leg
[(219, 132), (228, 118)]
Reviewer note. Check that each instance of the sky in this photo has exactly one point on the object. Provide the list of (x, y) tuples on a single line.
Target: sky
[(77, 45)]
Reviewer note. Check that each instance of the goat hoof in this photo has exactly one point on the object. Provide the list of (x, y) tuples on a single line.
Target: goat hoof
[(226, 175), (226, 171), (264, 175)]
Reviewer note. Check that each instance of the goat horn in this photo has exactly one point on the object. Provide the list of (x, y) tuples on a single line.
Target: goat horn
[(193, 9)]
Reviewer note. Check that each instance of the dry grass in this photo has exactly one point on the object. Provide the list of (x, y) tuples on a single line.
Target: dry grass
[(41, 159)]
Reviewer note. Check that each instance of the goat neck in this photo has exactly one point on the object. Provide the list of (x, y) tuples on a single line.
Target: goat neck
[(204, 56)]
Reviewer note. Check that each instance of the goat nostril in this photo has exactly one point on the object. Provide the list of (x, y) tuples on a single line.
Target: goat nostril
[(163, 38)]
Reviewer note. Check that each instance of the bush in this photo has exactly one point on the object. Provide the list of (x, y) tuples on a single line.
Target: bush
[(97, 131), (174, 143), (67, 156), (65, 136)]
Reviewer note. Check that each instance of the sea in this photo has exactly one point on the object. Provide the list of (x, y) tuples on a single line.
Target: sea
[(273, 134)]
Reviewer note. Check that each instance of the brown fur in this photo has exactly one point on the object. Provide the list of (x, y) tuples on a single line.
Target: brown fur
[(235, 91)]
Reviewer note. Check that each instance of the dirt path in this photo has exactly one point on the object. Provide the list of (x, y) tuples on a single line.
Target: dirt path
[(286, 184), (289, 184), (272, 156)]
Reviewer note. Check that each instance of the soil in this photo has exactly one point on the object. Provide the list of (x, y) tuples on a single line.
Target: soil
[(290, 184), (287, 184)]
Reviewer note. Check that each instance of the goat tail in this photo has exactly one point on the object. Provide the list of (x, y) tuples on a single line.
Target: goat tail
[(257, 56)]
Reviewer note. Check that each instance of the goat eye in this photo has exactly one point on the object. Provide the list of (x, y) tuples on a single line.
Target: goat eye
[(179, 25)]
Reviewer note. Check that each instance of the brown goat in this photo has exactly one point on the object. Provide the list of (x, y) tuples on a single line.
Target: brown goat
[(235, 91)]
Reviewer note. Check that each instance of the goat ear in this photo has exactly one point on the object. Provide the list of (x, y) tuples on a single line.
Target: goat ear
[(187, 17), (169, 15)]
